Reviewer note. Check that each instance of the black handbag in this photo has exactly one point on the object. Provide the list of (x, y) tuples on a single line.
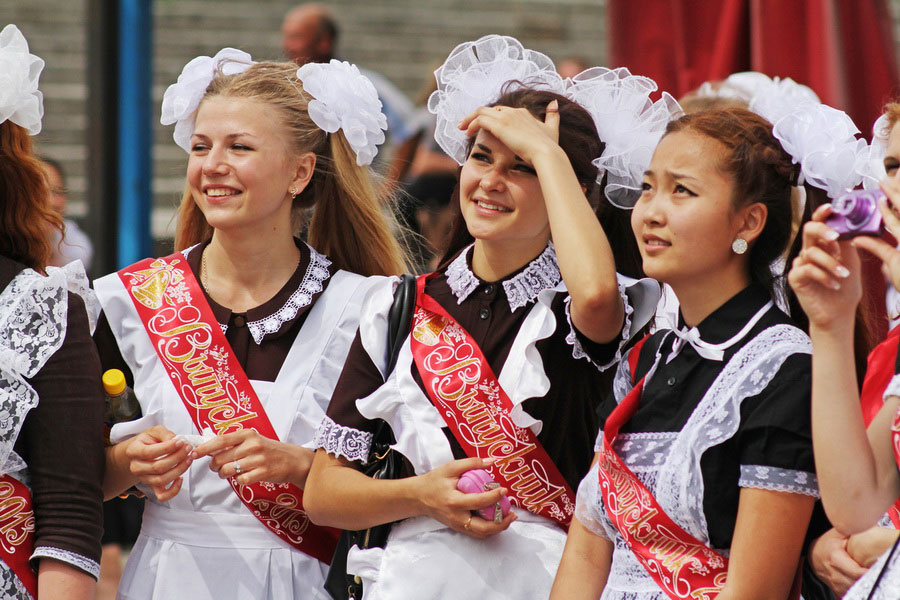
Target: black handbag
[(383, 463)]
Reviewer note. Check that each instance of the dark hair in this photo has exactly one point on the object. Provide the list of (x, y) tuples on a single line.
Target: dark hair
[(26, 218), (764, 172), (579, 140)]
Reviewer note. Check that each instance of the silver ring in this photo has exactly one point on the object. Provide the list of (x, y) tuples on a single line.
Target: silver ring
[(237, 467)]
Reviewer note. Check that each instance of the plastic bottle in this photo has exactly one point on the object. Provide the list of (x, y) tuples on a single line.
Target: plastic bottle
[(121, 403)]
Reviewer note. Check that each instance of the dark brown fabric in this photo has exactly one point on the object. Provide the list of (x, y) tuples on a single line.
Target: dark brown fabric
[(568, 410), (61, 439), (262, 361)]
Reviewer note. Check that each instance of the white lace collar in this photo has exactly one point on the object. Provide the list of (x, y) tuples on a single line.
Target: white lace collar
[(313, 283), (541, 273)]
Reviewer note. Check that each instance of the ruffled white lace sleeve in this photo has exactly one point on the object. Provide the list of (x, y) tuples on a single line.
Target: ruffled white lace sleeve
[(779, 480), (640, 298), (89, 566), (339, 440), (588, 506)]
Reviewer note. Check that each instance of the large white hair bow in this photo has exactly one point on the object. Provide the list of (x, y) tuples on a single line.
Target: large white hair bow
[(345, 99), (474, 75), (182, 98), (872, 165), (821, 139), (629, 124), (20, 100)]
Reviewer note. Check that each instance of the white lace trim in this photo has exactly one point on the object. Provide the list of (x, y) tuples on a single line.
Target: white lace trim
[(779, 480), (338, 440), (78, 283), (541, 274), (578, 351), (11, 587), (717, 417), (312, 284), (84, 563), (893, 388)]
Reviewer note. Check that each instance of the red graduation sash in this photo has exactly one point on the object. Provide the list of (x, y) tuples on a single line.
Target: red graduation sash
[(682, 566), (461, 384), (17, 530), (215, 389), (881, 367)]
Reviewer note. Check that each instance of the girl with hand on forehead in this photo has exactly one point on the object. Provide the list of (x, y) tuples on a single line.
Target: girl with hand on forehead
[(859, 475), (235, 342), (704, 476), (535, 320)]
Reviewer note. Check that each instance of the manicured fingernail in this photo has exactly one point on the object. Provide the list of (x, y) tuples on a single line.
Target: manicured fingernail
[(835, 285), (842, 271), (490, 461), (831, 235)]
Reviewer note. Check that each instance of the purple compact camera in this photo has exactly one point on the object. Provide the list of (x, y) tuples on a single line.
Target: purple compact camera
[(856, 213), (479, 480)]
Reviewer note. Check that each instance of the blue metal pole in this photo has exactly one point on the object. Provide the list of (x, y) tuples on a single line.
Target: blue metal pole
[(135, 130)]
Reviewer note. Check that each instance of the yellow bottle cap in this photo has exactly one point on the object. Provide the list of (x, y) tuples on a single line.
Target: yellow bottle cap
[(114, 382)]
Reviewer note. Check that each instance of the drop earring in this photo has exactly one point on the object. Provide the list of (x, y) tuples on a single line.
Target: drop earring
[(739, 246), (293, 192)]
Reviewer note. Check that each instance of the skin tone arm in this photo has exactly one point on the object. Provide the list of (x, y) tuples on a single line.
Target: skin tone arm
[(768, 538), (583, 251), (338, 495), (858, 477), (833, 564), (60, 581), (585, 564)]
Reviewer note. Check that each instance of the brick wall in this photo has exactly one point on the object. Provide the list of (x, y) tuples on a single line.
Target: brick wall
[(398, 38)]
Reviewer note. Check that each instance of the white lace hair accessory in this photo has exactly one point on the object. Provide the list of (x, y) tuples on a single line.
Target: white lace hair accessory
[(20, 101), (182, 98), (749, 84), (629, 124), (821, 139), (344, 98), (474, 75), (873, 164)]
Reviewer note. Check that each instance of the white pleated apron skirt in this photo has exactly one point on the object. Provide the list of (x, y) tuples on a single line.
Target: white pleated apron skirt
[(425, 560)]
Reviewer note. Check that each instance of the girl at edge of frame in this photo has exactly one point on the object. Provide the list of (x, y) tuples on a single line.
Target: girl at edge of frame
[(526, 175), (50, 372), (859, 477), (257, 159), (748, 491)]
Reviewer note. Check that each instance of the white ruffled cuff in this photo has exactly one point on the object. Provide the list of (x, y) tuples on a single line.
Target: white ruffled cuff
[(779, 480), (348, 442), (89, 566), (578, 350)]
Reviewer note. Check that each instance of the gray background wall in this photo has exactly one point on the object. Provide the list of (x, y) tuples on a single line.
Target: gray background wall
[(399, 38)]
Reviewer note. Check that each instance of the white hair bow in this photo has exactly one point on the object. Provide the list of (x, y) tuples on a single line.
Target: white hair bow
[(182, 98), (20, 100)]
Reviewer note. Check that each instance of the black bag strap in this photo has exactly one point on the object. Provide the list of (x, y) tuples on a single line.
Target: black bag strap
[(400, 319)]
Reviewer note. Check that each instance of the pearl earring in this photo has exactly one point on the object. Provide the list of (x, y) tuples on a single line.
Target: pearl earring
[(739, 246)]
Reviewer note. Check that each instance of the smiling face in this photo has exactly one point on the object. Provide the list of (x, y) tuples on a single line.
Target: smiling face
[(685, 220), (500, 197), (241, 165)]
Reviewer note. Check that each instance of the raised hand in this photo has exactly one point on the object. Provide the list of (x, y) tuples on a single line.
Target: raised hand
[(887, 254), (443, 502), (524, 134), (251, 457), (826, 274)]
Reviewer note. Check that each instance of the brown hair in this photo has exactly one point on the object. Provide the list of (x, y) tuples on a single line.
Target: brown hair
[(348, 223), (25, 214), (578, 138), (764, 172), (892, 110)]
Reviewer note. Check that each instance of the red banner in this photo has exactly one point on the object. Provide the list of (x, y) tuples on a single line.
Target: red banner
[(462, 386), (17, 530), (682, 566), (215, 389)]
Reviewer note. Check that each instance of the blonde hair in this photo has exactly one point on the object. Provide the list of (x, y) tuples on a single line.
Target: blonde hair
[(892, 110), (348, 223)]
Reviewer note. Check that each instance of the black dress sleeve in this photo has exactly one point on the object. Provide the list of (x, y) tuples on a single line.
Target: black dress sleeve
[(62, 443), (110, 355)]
